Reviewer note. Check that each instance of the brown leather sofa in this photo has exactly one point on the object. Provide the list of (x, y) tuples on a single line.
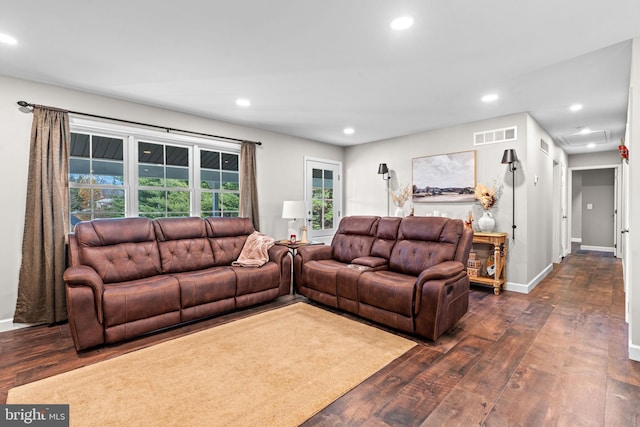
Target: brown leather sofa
[(407, 273), (131, 276)]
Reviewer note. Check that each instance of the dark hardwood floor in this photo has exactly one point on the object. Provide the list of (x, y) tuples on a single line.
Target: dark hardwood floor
[(555, 357)]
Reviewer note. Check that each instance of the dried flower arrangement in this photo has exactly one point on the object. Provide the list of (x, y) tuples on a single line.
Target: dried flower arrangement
[(486, 196), (401, 196)]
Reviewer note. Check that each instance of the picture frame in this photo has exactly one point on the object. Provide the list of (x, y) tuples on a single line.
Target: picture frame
[(444, 178)]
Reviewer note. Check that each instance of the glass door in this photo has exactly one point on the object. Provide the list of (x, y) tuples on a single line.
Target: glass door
[(323, 198)]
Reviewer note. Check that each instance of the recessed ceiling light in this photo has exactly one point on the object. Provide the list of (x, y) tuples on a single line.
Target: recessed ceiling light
[(401, 23), (585, 131), (490, 97), (5, 38), (348, 131), (243, 102), (576, 107), (591, 145)]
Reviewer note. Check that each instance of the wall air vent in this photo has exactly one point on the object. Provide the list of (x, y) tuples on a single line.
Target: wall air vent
[(495, 135), (544, 147)]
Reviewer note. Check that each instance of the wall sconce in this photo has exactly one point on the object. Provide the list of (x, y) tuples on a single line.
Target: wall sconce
[(510, 158), (292, 210), (384, 170)]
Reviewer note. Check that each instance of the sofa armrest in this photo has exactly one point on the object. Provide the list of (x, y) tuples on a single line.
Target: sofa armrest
[(314, 252), (444, 270), (83, 275), (277, 253), (441, 298)]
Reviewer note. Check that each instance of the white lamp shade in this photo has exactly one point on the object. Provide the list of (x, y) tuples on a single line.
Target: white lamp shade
[(294, 209)]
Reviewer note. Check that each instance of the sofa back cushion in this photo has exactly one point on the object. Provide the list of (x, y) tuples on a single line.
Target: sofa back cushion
[(227, 237), (183, 244), (354, 238), (385, 237), (119, 249), (424, 242)]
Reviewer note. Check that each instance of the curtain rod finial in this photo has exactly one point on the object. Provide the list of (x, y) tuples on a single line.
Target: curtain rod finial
[(23, 103)]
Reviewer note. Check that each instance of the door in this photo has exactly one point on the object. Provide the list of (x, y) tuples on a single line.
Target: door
[(323, 196)]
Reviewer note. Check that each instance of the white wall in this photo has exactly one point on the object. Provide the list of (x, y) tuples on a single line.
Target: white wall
[(538, 181), (365, 191), (279, 162), (633, 197)]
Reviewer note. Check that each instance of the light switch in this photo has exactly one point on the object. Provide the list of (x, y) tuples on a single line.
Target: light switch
[(589, 206)]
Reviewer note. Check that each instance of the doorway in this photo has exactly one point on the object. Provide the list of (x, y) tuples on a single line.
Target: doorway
[(323, 197), (594, 219)]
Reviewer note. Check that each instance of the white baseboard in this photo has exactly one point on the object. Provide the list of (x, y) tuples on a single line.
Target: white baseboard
[(526, 288), (634, 352), (8, 325), (576, 239), (597, 248)]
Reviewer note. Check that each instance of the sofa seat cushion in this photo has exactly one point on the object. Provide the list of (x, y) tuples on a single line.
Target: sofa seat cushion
[(321, 275), (139, 299), (388, 290), (205, 286), (251, 280)]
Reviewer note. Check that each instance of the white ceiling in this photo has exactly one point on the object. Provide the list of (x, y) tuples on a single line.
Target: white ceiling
[(311, 68)]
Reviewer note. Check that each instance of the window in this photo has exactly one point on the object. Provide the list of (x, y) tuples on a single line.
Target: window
[(219, 184), (117, 171), (96, 177)]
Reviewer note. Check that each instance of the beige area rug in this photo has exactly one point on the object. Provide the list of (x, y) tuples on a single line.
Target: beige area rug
[(276, 368)]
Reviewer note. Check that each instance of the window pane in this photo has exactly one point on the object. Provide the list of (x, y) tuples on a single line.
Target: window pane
[(316, 215), (107, 148), (79, 170), (110, 202), (328, 214), (152, 201), (151, 176), (80, 200), (79, 145), (177, 177), (230, 181), (210, 179), (178, 202), (230, 202), (109, 173), (229, 162), (177, 156), (208, 201), (150, 153), (209, 160)]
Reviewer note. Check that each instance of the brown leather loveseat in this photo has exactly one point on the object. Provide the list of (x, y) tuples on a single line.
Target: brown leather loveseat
[(130, 276), (406, 273)]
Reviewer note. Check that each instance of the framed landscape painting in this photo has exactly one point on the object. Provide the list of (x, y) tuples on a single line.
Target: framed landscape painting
[(445, 178)]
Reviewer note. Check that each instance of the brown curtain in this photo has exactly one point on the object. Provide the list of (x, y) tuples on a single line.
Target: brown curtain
[(248, 185), (41, 289)]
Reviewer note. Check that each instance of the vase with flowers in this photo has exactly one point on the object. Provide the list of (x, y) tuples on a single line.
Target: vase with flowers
[(399, 198), (487, 198)]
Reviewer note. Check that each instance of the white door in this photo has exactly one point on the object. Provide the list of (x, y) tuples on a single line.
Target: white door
[(323, 196)]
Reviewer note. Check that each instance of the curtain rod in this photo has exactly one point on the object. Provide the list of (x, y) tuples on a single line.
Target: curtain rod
[(28, 104)]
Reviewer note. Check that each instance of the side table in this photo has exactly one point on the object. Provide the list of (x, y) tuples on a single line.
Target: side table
[(498, 241), (293, 248)]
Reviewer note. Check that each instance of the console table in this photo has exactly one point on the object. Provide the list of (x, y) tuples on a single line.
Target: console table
[(499, 243)]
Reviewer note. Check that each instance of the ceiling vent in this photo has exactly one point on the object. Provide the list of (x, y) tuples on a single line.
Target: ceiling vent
[(495, 135), (580, 140)]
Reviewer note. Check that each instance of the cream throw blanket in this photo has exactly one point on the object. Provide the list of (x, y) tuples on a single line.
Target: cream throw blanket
[(255, 252)]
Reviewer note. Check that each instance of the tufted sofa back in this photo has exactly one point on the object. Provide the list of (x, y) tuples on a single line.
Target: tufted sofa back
[(354, 238), (227, 237), (183, 244), (118, 249), (424, 242)]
